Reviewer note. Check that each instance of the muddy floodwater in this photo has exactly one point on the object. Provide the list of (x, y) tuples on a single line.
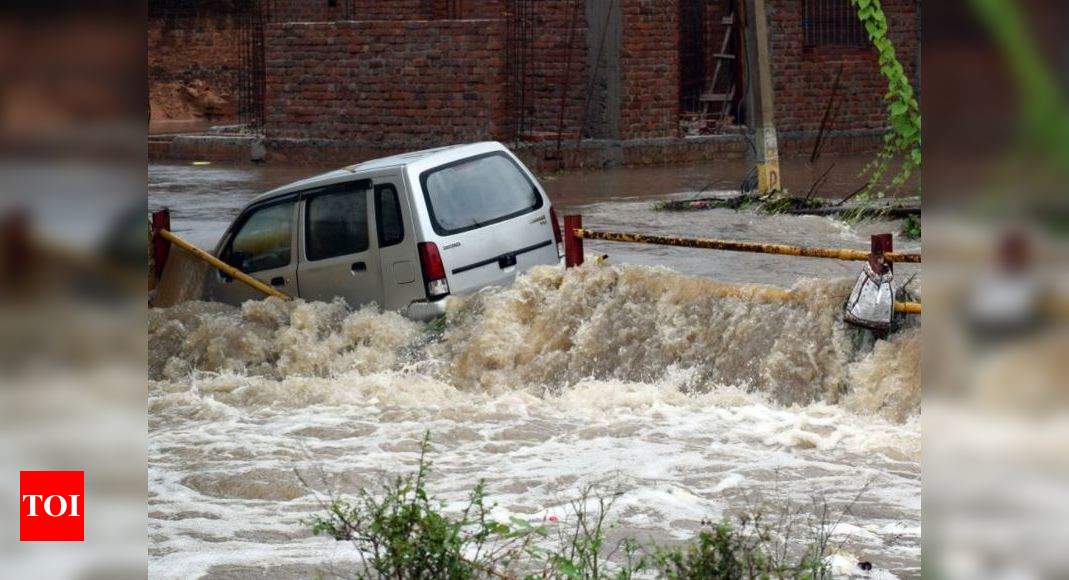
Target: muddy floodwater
[(639, 375)]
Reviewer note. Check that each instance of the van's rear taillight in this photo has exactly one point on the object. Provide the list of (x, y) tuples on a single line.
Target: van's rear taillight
[(433, 270), (556, 231)]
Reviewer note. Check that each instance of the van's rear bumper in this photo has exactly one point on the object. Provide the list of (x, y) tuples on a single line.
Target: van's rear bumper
[(424, 310)]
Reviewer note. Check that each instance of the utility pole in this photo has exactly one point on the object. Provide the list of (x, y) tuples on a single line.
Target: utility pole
[(760, 100)]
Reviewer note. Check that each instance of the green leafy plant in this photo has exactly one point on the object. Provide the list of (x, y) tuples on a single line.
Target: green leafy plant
[(725, 553), (403, 533), (1044, 115), (911, 227), (903, 139)]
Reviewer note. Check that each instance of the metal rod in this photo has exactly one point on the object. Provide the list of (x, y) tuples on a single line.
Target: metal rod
[(908, 307)]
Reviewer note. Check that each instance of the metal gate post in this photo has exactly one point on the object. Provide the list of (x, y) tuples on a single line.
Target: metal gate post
[(881, 244), (573, 244)]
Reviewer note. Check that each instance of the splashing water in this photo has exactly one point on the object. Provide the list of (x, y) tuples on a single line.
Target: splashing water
[(689, 399)]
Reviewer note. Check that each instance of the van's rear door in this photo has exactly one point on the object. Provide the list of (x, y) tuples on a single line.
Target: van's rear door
[(395, 233), (491, 219)]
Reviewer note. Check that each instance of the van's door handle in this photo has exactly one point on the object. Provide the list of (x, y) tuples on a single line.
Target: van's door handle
[(278, 281), (359, 267)]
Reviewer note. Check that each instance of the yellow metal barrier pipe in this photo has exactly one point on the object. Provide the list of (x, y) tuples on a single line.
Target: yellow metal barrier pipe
[(754, 247), (772, 294), (221, 265), (908, 307), (574, 234)]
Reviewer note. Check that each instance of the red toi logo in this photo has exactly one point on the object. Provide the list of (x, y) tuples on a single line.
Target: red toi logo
[(51, 506)]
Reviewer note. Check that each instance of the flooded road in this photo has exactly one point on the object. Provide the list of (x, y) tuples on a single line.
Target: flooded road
[(643, 381), (205, 199)]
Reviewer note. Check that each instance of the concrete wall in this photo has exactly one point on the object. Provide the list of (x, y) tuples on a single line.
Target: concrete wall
[(602, 75)]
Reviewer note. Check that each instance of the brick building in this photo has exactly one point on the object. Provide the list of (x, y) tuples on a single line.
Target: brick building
[(591, 81)]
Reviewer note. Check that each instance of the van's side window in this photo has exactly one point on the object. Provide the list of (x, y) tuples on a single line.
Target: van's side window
[(264, 240), (337, 222), (388, 216)]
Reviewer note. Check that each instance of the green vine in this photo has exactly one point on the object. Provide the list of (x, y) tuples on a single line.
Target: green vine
[(903, 140)]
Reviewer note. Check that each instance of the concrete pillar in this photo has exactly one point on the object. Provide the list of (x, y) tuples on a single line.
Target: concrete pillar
[(760, 99), (603, 39)]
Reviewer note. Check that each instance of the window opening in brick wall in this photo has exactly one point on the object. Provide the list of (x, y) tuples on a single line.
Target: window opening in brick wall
[(692, 53), (832, 23)]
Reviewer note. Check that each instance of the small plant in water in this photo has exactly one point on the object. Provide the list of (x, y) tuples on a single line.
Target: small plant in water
[(436, 327), (911, 227), (404, 533)]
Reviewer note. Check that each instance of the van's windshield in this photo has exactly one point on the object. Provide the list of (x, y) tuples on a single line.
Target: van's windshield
[(476, 192)]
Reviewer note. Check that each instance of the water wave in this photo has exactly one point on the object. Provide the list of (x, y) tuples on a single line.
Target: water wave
[(554, 334)]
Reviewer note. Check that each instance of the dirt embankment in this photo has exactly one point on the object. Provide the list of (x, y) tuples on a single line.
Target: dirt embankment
[(194, 65), (179, 100)]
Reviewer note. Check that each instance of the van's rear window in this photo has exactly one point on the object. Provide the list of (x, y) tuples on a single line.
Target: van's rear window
[(475, 192)]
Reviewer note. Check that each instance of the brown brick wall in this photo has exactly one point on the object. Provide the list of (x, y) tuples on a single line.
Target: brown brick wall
[(547, 68), (387, 83), (649, 69), (470, 8), (186, 49), (324, 10), (804, 77), (405, 75)]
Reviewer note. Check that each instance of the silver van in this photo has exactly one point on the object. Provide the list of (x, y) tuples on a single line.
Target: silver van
[(403, 231)]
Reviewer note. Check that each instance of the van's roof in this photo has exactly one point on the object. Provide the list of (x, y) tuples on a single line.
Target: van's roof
[(426, 157)]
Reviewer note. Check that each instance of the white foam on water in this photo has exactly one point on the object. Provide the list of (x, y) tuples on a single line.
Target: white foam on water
[(690, 404)]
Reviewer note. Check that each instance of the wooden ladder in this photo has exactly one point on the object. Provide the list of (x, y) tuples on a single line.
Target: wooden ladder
[(709, 96)]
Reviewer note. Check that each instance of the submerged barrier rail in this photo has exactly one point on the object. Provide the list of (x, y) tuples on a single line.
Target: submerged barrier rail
[(881, 251)]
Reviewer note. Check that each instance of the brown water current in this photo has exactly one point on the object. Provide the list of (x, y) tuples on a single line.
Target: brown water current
[(628, 377), (642, 376)]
